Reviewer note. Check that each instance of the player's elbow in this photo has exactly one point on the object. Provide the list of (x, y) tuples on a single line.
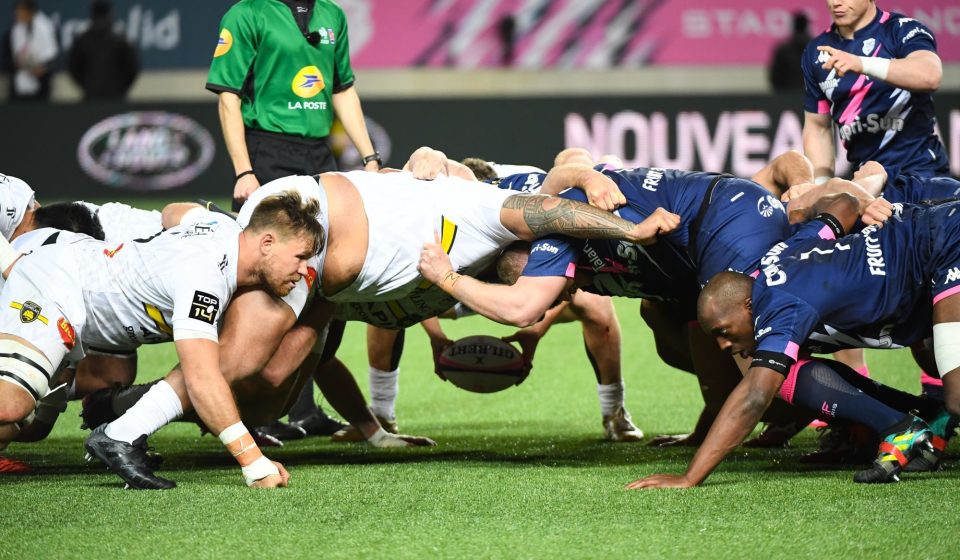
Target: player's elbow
[(794, 158), (523, 314), (931, 82)]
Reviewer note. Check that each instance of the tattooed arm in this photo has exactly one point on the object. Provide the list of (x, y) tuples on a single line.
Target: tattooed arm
[(533, 216)]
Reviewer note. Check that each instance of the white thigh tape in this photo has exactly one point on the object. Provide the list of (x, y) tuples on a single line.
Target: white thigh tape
[(25, 367), (946, 347)]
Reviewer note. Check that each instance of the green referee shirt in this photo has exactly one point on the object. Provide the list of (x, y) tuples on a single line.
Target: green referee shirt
[(284, 82)]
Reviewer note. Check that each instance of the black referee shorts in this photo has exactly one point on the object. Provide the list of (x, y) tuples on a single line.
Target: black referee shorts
[(278, 155)]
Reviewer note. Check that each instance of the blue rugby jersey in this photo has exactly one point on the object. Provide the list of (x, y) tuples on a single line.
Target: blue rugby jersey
[(868, 290), (914, 188), (876, 120), (657, 272)]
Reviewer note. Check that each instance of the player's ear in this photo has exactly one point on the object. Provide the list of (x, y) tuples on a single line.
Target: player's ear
[(267, 241), (748, 303)]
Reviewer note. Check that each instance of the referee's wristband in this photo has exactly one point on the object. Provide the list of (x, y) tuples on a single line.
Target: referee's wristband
[(875, 67), (244, 174), (375, 156)]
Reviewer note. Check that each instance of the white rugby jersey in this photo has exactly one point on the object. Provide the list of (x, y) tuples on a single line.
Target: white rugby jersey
[(309, 189), (121, 222), (172, 286)]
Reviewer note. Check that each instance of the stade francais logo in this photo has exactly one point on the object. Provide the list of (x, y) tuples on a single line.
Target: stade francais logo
[(149, 150)]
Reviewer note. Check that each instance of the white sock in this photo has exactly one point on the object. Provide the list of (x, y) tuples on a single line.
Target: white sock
[(72, 389), (611, 398), (384, 386), (158, 407)]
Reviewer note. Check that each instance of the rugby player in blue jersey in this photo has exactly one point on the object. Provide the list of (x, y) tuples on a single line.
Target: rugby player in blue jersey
[(819, 291), (725, 223), (871, 75)]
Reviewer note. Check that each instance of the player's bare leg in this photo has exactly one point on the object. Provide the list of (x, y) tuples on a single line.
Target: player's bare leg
[(603, 341), (98, 371)]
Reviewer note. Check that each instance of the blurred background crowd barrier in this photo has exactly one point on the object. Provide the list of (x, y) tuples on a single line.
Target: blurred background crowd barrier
[(670, 83)]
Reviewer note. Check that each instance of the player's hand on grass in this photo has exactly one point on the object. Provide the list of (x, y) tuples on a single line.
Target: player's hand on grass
[(382, 438), (877, 212), (245, 186), (679, 440), (273, 480), (434, 262), (660, 222), (603, 192), (660, 481), (841, 61), (417, 441)]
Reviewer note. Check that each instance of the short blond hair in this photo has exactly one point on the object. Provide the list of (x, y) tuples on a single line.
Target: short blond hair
[(290, 216)]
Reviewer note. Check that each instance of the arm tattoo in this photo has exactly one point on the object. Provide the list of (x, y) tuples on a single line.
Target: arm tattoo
[(569, 217)]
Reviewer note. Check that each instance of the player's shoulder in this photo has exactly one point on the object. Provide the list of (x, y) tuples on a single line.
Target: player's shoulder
[(205, 225), (895, 21), (523, 181)]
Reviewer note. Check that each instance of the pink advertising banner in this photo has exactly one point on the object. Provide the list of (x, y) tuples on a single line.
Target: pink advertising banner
[(598, 33)]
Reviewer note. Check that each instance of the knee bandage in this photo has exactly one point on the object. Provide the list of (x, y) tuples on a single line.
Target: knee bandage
[(946, 347)]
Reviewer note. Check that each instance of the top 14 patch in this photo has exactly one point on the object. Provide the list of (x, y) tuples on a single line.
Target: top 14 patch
[(204, 307)]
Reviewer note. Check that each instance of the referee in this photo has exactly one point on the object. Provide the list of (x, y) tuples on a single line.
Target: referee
[(281, 71)]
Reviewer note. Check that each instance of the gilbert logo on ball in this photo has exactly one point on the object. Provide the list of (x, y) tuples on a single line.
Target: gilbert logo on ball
[(482, 364)]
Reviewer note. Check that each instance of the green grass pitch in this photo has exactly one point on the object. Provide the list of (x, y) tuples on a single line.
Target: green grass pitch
[(522, 473), (519, 474)]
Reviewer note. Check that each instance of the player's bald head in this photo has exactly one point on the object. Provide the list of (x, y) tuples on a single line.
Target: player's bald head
[(723, 295), (579, 156), (511, 262), (288, 215)]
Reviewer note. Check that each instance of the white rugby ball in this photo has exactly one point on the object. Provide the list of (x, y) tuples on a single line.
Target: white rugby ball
[(482, 364)]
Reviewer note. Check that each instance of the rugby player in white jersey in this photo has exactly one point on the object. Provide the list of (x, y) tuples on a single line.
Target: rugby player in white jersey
[(28, 225), (376, 225), (601, 330), (173, 286)]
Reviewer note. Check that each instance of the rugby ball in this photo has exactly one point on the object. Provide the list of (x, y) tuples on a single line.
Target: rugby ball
[(482, 364)]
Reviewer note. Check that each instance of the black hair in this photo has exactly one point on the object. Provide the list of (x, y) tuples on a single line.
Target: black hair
[(69, 216)]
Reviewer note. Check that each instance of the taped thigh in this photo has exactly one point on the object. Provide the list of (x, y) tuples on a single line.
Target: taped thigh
[(25, 367), (946, 347)]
